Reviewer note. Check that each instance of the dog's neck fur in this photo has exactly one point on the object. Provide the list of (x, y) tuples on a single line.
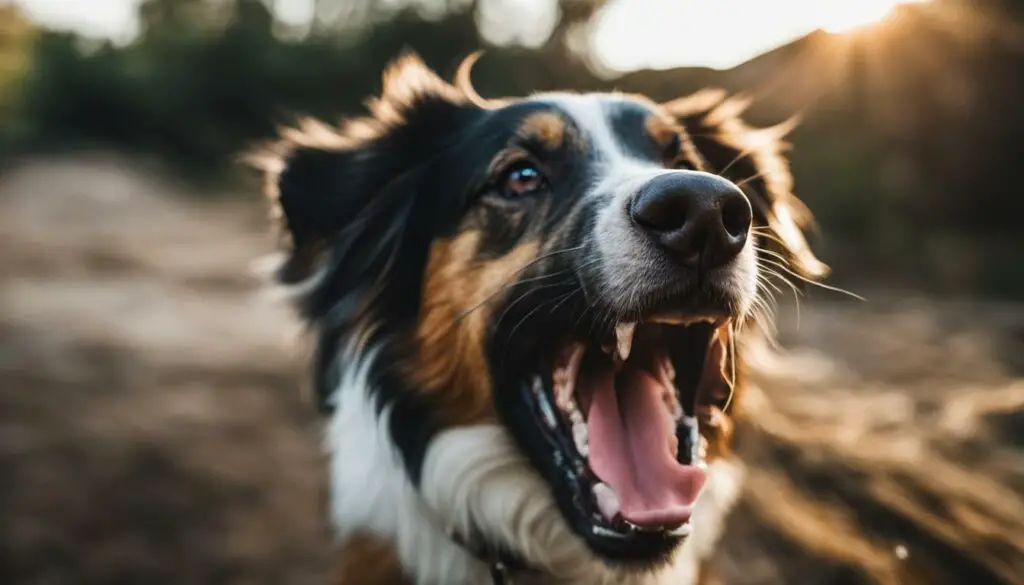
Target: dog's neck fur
[(474, 482)]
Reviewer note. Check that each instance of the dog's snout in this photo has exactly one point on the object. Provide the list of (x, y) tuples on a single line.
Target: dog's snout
[(699, 219)]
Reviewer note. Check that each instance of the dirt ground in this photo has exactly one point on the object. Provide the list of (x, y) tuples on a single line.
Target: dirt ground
[(154, 428)]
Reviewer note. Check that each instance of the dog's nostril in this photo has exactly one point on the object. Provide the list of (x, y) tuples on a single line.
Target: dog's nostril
[(659, 214), (736, 216)]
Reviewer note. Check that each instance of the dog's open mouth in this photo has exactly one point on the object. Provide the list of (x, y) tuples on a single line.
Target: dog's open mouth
[(622, 415)]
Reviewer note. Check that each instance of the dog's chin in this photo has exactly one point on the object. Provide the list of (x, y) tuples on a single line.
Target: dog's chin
[(612, 418)]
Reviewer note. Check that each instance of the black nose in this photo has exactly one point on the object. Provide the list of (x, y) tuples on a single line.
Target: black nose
[(700, 219)]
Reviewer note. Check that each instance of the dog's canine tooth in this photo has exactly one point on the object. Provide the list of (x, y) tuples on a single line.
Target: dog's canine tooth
[(624, 339)]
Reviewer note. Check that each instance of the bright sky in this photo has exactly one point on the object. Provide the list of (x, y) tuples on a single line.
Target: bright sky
[(719, 33), (629, 34)]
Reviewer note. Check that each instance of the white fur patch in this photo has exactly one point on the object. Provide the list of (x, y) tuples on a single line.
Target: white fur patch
[(371, 493), (475, 480)]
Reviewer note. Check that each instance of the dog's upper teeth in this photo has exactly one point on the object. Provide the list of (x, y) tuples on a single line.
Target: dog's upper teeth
[(565, 378), (624, 339), (545, 406), (579, 433)]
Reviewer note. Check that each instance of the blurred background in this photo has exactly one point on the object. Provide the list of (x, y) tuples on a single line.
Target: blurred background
[(152, 423)]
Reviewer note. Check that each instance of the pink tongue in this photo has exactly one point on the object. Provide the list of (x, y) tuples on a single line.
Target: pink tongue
[(630, 449)]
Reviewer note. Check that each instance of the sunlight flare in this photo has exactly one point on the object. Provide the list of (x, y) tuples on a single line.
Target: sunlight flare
[(659, 34)]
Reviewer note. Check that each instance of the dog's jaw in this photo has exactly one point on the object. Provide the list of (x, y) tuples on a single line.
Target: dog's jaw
[(476, 482)]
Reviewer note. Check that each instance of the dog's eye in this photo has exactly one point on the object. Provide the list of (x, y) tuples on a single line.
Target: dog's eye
[(522, 178)]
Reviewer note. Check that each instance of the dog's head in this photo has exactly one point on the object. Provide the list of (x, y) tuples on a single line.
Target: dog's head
[(573, 267)]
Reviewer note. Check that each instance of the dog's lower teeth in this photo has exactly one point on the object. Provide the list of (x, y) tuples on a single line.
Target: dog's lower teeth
[(602, 531), (683, 530), (607, 501)]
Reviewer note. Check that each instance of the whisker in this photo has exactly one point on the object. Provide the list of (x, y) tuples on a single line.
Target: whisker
[(502, 289), (764, 298), (508, 285), (815, 283), (526, 294), (732, 360), (740, 184), (562, 299), (796, 291), (767, 233), (765, 304), (764, 283), (777, 275), (546, 256), (782, 258), (512, 334), (743, 154), (565, 298)]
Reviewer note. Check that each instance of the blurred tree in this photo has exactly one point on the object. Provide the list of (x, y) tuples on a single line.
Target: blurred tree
[(17, 36), (909, 132)]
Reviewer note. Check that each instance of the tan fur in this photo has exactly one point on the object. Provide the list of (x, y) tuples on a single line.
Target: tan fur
[(545, 127), (451, 362), (662, 129), (366, 560), (464, 83)]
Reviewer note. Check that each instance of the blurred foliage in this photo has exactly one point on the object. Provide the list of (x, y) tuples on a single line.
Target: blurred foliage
[(17, 38), (906, 152)]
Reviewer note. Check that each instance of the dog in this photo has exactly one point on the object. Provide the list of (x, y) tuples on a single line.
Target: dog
[(529, 319)]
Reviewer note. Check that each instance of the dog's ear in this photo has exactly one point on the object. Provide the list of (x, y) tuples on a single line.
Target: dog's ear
[(343, 194), (353, 209), (753, 159)]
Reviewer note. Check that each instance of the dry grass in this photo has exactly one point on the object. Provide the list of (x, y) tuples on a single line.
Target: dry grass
[(152, 429)]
